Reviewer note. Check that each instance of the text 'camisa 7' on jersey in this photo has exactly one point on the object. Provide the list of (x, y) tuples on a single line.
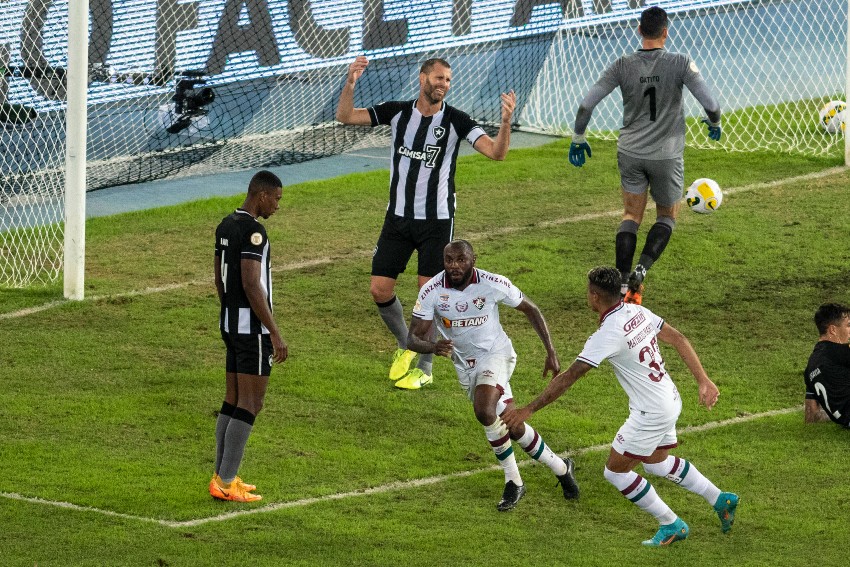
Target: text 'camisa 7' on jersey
[(424, 154), (240, 237)]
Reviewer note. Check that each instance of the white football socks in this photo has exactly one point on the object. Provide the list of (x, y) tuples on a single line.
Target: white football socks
[(638, 490), (532, 443), (500, 440), (685, 475)]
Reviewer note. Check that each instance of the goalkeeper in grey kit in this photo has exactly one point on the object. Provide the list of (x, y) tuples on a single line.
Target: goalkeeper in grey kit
[(650, 149)]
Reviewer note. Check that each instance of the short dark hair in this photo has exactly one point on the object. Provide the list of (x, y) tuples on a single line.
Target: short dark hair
[(652, 21), (460, 243), (429, 64), (606, 279), (830, 314), (264, 181)]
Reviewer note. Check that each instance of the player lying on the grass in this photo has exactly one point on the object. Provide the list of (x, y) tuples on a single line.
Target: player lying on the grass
[(827, 375), (243, 280), (464, 302), (628, 337), (650, 149)]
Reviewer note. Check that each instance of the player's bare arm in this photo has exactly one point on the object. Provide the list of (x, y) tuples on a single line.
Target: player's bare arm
[(219, 284), (708, 392), (417, 340), (497, 148), (345, 111), (554, 390), (538, 323), (813, 412), (257, 299)]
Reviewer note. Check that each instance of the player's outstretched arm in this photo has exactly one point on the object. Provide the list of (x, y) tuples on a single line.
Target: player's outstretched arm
[(417, 340), (535, 317), (497, 148), (257, 300), (559, 384), (708, 392), (345, 111)]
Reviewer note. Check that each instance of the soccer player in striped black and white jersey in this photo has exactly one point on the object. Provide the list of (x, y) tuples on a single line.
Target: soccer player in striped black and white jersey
[(462, 302), (251, 337), (628, 338), (651, 145), (426, 138)]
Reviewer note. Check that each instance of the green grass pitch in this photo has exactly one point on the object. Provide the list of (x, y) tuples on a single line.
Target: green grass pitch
[(109, 404)]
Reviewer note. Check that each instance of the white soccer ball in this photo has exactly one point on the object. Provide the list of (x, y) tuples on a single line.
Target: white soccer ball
[(832, 116), (704, 196)]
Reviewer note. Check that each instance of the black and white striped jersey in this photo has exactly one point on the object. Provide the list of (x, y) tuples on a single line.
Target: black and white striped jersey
[(424, 155), (240, 237)]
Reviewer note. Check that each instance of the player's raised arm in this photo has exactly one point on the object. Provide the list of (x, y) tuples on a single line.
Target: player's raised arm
[(535, 317), (708, 392), (497, 148), (345, 111)]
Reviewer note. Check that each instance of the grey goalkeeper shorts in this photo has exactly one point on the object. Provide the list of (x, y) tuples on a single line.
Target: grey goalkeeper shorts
[(664, 177)]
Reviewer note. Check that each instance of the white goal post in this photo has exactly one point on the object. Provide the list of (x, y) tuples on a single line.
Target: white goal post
[(153, 89), (75, 160)]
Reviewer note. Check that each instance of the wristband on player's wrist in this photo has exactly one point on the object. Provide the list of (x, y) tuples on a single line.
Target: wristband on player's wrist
[(579, 139)]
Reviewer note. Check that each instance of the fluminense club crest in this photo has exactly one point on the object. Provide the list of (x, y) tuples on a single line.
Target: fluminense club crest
[(479, 302)]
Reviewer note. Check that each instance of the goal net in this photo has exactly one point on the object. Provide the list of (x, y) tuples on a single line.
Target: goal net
[(185, 88), (772, 65)]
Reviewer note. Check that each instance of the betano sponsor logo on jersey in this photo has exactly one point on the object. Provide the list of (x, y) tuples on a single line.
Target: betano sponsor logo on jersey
[(462, 323)]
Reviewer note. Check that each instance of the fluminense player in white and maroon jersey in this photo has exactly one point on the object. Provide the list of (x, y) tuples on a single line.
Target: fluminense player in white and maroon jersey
[(628, 338), (427, 134), (464, 301)]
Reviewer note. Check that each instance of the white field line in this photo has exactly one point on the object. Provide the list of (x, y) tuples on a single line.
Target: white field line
[(366, 253), (384, 488), (367, 156)]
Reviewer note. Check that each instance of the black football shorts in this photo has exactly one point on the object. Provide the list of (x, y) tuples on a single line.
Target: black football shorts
[(401, 236), (248, 354)]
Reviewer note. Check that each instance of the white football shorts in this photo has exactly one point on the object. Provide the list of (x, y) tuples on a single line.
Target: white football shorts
[(494, 370), (643, 433)]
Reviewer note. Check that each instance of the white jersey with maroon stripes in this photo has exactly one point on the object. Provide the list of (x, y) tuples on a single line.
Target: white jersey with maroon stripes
[(469, 318), (627, 339)]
